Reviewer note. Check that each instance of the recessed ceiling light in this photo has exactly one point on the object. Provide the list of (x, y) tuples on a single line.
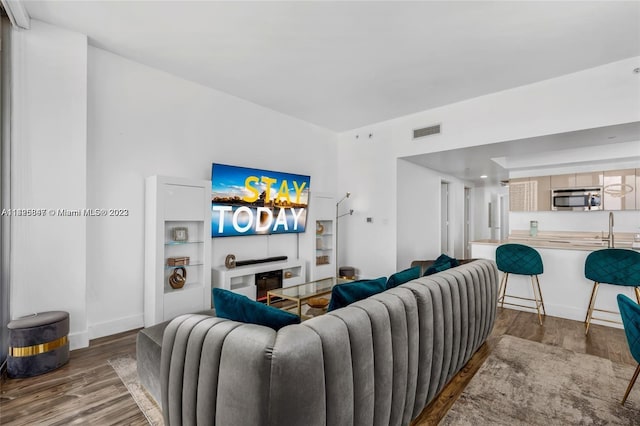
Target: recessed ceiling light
[(483, 177)]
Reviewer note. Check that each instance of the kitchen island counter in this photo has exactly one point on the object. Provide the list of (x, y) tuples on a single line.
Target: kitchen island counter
[(565, 290)]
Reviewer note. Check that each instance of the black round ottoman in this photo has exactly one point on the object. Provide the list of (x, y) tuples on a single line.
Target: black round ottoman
[(38, 343)]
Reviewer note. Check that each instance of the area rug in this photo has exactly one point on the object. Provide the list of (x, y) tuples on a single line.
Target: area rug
[(524, 382), (125, 367)]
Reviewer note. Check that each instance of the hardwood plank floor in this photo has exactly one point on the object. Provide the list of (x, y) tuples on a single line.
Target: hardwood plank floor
[(87, 390)]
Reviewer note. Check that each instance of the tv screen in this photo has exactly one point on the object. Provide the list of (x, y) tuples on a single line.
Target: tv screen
[(246, 201)]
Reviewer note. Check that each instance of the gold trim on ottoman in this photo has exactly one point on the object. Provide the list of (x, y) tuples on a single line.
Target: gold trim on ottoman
[(37, 349)]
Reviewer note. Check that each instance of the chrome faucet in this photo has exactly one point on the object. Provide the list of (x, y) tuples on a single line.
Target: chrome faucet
[(609, 239)]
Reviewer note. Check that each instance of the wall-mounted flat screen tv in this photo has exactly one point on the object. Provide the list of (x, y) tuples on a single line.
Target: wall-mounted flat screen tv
[(246, 201)]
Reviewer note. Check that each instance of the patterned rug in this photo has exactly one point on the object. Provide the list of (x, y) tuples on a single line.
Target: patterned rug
[(125, 368), (529, 383)]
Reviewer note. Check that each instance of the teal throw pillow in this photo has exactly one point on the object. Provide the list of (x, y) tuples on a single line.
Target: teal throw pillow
[(237, 307), (442, 263), (403, 277), (344, 294)]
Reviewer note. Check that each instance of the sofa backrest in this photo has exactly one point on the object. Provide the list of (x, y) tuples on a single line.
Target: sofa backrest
[(379, 361)]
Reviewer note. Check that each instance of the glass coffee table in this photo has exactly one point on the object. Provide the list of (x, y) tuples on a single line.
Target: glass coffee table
[(300, 294)]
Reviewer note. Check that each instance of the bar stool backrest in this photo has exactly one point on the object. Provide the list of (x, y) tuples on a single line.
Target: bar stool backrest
[(519, 259), (613, 266), (630, 312)]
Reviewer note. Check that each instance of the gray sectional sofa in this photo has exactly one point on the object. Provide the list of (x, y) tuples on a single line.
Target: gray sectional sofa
[(379, 361)]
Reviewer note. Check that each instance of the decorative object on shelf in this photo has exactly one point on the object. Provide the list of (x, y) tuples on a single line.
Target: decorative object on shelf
[(338, 216), (180, 233), (348, 272), (178, 277), (533, 228), (318, 302), (178, 261), (288, 274), (319, 228), (230, 261), (322, 260)]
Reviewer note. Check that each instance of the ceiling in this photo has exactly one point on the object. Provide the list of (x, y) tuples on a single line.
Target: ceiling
[(343, 65), (610, 144)]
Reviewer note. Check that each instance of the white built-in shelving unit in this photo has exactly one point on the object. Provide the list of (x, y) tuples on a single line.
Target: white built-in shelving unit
[(176, 203), (322, 216)]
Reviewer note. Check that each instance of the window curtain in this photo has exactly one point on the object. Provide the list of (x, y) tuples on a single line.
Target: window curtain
[(5, 220)]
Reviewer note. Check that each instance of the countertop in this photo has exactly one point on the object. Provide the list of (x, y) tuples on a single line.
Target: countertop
[(565, 240)]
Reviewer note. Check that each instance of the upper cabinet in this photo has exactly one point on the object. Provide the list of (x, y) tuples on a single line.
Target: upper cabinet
[(530, 194), (543, 192), (576, 180), (620, 190), (586, 180), (563, 181)]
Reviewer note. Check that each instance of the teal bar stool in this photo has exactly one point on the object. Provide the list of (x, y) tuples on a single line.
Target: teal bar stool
[(630, 313), (611, 266), (519, 259)]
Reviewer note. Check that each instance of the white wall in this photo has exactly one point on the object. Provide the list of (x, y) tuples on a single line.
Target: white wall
[(600, 96), (88, 127), (48, 167), (367, 168), (145, 122), (419, 214)]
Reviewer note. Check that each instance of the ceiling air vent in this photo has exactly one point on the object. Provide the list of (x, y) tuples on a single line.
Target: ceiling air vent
[(426, 131)]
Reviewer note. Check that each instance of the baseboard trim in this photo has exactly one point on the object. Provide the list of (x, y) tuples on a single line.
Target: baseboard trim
[(107, 328), (78, 340)]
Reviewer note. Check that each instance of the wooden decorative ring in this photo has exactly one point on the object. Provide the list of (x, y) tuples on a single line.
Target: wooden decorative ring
[(178, 277)]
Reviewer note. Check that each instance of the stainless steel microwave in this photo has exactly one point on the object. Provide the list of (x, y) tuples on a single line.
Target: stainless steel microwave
[(576, 199)]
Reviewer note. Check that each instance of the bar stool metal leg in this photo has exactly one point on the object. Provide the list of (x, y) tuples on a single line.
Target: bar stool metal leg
[(503, 289), (535, 298), (631, 383), (592, 302), (544, 311)]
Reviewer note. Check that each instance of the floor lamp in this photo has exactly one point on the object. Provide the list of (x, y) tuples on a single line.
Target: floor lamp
[(338, 216)]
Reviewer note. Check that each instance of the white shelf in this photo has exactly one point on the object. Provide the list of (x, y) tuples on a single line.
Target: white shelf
[(170, 203)]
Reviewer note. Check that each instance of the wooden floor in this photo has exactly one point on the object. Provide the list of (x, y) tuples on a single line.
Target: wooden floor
[(88, 391)]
